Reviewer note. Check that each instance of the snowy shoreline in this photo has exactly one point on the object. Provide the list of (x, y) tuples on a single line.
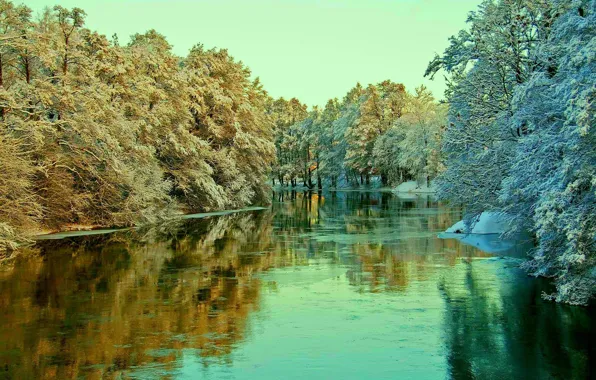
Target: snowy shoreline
[(100, 231), (412, 187), (486, 223), (486, 234)]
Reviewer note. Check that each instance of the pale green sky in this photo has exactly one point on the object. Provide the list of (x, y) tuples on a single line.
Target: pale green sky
[(313, 50)]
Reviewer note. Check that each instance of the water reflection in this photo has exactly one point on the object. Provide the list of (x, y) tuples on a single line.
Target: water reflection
[(269, 293), (107, 303), (497, 326)]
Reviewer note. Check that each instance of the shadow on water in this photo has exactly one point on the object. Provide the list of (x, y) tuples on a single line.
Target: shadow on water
[(140, 303), (500, 328)]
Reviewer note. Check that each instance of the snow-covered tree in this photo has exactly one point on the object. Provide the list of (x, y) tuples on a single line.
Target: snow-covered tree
[(485, 63), (520, 136), (422, 126), (103, 134), (284, 114), (551, 186)]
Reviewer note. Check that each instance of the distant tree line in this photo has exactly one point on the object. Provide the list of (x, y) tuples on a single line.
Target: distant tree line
[(95, 133), (381, 131), (521, 135)]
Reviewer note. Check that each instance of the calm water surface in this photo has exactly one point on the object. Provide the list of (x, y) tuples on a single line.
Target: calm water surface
[(344, 285)]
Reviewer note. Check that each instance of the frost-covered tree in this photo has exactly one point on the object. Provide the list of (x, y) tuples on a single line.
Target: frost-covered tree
[(551, 186), (360, 137), (284, 114), (520, 137), (19, 205), (229, 111), (103, 134), (323, 135), (422, 127), (410, 147), (380, 107), (335, 154), (485, 63), (386, 156)]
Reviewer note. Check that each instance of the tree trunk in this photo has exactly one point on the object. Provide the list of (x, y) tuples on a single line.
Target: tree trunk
[(368, 178), (65, 59), (319, 182), (361, 179), (1, 85), (27, 71)]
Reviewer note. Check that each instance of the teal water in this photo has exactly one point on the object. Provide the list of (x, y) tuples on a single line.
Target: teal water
[(343, 285)]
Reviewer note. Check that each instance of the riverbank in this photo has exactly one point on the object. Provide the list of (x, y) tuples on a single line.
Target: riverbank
[(99, 230), (77, 230)]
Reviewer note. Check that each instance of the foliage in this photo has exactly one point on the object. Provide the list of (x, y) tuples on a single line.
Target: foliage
[(520, 135), (553, 177), (364, 136), (94, 133)]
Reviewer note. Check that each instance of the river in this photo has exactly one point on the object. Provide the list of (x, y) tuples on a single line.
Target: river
[(341, 285)]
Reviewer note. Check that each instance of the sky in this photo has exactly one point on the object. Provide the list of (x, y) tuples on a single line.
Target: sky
[(308, 49)]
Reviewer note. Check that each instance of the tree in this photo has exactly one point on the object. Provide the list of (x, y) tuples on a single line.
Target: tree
[(361, 136), (335, 156), (422, 127), (110, 135), (326, 141), (285, 113), (519, 138), (485, 63), (551, 186)]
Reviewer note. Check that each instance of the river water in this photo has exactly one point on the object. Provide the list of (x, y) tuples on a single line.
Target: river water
[(345, 285)]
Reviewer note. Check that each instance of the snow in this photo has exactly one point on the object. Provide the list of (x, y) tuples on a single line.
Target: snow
[(224, 212), (486, 223), (69, 234), (413, 187), (486, 235)]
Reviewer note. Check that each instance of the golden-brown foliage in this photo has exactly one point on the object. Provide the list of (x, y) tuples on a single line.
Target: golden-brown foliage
[(95, 133)]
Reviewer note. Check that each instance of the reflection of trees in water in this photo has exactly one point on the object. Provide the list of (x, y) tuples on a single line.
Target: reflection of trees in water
[(501, 328), (494, 327), (103, 304), (396, 247), (107, 303), (392, 267)]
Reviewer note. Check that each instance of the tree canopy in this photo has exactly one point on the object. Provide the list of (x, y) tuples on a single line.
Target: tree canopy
[(94, 133), (520, 138)]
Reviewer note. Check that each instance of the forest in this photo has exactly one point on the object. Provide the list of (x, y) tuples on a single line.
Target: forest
[(379, 132), (95, 133)]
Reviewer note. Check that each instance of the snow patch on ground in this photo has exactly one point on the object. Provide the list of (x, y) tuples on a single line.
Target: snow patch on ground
[(486, 223), (486, 235), (69, 234), (414, 187)]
